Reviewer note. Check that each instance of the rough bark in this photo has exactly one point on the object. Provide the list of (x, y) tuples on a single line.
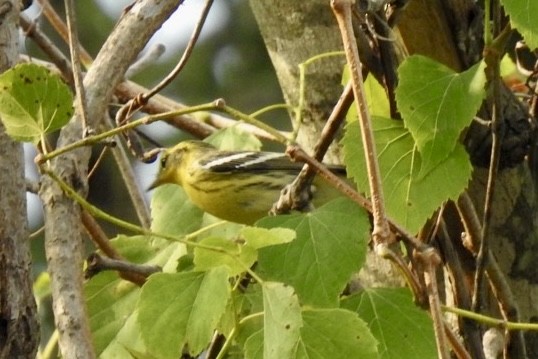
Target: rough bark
[(63, 237), (19, 329), (295, 31)]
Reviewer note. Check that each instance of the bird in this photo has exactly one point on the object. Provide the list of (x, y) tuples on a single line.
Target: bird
[(237, 186)]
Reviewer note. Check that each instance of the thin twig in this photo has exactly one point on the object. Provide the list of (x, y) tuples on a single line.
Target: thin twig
[(499, 285), (292, 194), (410, 278), (131, 107), (493, 74), (199, 126), (97, 161), (457, 347), (492, 59), (133, 188), (481, 258), (381, 232), (220, 105), (217, 105), (334, 122), (469, 329), (301, 103), (58, 24), (429, 261), (75, 63), (31, 30), (492, 322), (98, 263), (387, 58), (37, 232), (186, 54), (128, 90), (90, 140), (99, 237)]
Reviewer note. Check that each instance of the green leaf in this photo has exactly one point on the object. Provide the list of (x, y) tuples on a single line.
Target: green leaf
[(182, 309), (262, 237), (156, 252), (325, 333), (376, 97), (254, 346), (437, 104), (172, 212), (410, 199), (335, 333), (128, 342), (111, 301), (238, 255), (240, 306), (33, 102), (235, 256), (252, 303), (330, 246), (395, 321), (523, 17), (282, 320)]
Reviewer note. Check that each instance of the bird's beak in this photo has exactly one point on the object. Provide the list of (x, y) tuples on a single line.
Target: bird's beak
[(155, 184), (159, 180)]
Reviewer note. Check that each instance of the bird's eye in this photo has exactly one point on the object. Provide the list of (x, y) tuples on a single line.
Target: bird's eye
[(164, 158)]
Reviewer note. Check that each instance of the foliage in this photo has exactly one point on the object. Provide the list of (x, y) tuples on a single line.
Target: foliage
[(428, 94), (33, 102), (301, 262), (521, 14), (279, 289), (309, 270)]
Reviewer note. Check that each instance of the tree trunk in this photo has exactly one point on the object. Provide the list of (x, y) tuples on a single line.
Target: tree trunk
[(294, 32), (19, 328)]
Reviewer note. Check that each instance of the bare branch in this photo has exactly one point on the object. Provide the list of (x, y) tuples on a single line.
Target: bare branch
[(63, 242), (342, 12)]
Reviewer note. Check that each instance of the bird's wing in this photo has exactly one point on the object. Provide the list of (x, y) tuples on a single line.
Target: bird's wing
[(248, 161), (251, 161)]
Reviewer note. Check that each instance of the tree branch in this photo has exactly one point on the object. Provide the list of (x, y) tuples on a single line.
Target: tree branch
[(63, 237)]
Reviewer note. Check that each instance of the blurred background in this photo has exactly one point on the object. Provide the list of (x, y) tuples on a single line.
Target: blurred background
[(229, 61)]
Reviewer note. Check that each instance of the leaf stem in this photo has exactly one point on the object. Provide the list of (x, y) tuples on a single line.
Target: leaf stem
[(302, 86), (270, 108), (493, 322), (90, 140), (220, 105)]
